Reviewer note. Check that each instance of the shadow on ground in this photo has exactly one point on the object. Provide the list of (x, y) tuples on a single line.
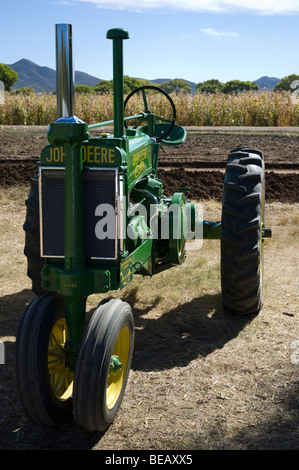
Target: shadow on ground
[(193, 329)]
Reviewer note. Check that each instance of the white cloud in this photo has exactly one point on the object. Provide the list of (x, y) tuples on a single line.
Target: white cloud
[(213, 32), (263, 7)]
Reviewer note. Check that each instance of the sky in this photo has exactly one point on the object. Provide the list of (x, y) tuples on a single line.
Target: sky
[(196, 40)]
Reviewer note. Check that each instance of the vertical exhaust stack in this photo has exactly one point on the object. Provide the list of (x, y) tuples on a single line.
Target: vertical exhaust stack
[(64, 71)]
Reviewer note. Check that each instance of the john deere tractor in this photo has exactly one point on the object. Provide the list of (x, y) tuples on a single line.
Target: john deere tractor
[(97, 216)]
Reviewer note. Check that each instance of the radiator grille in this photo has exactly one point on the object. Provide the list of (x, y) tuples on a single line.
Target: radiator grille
[(99, 187)]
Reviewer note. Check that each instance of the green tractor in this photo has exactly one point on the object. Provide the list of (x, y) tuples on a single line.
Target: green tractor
[(97, 215)]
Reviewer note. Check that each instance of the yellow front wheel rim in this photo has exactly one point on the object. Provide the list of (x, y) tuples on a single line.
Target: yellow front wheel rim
[(61, 378), (116, 380)]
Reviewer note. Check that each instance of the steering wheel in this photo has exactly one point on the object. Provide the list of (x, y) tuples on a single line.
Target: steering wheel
[(148, 113)]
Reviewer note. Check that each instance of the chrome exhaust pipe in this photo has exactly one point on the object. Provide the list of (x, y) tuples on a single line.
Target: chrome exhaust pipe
[(65, 89)]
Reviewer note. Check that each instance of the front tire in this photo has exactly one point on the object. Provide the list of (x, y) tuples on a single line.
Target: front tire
[(242, 225), (44, 382), (98, 389)]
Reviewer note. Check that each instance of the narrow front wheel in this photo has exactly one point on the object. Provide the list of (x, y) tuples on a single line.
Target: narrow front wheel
[(103, 365), (45, 383)]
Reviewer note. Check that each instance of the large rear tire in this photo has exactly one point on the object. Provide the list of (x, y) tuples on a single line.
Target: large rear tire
[(32, 238), (242, 226)]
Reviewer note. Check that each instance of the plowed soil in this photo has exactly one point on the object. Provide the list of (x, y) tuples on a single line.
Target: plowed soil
[(198, 164)]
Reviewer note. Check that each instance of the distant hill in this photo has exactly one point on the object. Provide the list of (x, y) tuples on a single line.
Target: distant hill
[(82, 78), (32, 75), (267, 82), (43, 79)]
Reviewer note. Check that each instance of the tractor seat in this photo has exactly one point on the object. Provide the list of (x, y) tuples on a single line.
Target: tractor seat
[(177, 135)]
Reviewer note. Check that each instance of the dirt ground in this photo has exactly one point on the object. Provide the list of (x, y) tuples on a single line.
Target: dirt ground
[(200, 379), (198, 164)]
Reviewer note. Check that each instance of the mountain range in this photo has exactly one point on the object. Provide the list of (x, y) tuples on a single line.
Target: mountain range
[(43, 79)]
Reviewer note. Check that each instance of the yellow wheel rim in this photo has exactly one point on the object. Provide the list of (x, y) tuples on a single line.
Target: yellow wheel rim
[(116, 380), (61, 378)]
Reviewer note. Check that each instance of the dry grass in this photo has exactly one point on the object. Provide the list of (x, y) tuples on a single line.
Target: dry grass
[(200, 379), (246, 109), (11, 237)]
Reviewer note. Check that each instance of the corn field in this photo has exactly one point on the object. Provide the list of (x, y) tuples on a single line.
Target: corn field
[(262, 108)]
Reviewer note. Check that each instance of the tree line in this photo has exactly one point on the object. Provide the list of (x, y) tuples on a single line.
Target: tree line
[(9, 77)]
